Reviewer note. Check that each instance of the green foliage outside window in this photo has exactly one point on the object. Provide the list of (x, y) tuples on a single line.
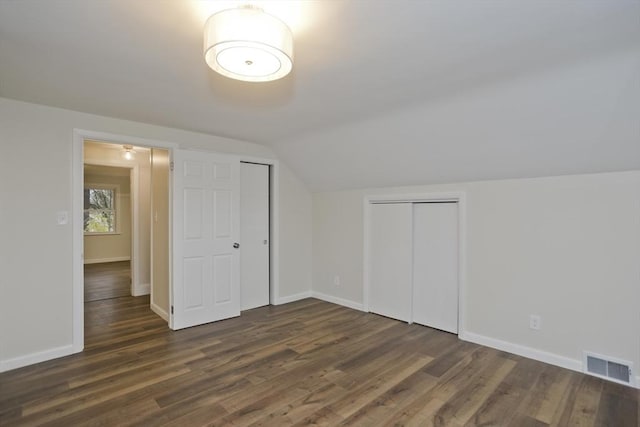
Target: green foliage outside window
[(99, 210)]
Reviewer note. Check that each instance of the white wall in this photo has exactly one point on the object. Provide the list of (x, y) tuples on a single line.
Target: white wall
[(565, 248), (295, 235), (36, 158), (161, 230)]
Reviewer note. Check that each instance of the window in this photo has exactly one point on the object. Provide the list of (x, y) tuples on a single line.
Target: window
[(99, 209)]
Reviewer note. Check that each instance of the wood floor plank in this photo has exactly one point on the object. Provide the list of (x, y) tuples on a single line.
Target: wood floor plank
[(298, 407), (386, 406), (107, 280), (77, 399), (321, 418), (215, 391), (373, 388), (619, 406), (304, 363), (548, 394), (566, 403), (529, 422), (498, 408), (461, 407), (420, 413), (587, 401), (262, 406), (112, 413)]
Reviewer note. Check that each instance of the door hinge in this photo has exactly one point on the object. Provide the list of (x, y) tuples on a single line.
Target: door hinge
[(171, 166), (171, 309)]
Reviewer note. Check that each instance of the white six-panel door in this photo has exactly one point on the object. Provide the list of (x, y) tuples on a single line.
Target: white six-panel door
[(206, 271), (254, 252)]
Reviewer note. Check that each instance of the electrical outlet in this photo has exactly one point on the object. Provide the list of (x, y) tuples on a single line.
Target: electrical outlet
[(336, 280), (535, 322)]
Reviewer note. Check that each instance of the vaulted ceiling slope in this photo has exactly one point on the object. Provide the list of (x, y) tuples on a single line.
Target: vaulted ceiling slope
[(383, 92)]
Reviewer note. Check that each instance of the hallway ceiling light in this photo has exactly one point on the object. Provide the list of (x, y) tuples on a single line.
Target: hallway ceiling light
[(128, 152), (248, 44)]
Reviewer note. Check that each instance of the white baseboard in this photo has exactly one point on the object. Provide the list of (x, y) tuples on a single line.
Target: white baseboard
[(33, 358), (520, 350), (292, 298), (101, 260), (142, 289), (337, 300), (160, 312)]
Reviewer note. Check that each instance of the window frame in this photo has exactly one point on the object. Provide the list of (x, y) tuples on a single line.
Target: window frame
[(116, 208)]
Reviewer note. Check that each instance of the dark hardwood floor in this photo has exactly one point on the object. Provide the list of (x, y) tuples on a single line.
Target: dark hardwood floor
[(107, 280), (304, 363)]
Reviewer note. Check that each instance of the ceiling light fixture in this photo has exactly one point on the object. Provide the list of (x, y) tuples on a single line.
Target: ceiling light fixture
[(128, 152), (248, 44)]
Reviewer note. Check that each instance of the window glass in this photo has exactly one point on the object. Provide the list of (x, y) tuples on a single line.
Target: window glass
[(99, 210)]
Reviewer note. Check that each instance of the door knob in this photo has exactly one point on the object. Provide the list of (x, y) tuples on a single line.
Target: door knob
[(236, 245)]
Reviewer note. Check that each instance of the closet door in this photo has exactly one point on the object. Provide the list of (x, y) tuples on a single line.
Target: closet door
[(391, 260), (254, 235), (435, 265)]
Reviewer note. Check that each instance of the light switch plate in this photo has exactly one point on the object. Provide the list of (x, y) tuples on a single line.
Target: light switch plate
[(63, 217)]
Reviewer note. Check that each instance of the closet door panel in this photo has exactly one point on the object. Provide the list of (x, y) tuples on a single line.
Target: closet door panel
[(391, 260), (435, 265), (254, 235)]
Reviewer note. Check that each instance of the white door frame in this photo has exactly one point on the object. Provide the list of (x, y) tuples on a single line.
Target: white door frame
[(458, 197), (79, 136)]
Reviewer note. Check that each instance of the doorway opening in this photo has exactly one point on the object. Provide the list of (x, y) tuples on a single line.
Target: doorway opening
[(113, 244), (115, 214), (108, 229)]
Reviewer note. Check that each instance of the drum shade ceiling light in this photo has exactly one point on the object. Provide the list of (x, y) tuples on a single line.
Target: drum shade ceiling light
[(248, 44)]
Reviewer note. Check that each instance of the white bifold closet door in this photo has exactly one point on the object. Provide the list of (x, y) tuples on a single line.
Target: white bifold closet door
[(414, 263)]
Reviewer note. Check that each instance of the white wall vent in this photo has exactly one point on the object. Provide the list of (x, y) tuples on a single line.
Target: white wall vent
[(609, 368)]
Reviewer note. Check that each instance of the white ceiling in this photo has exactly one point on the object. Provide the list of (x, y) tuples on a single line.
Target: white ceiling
[(355, 62)]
